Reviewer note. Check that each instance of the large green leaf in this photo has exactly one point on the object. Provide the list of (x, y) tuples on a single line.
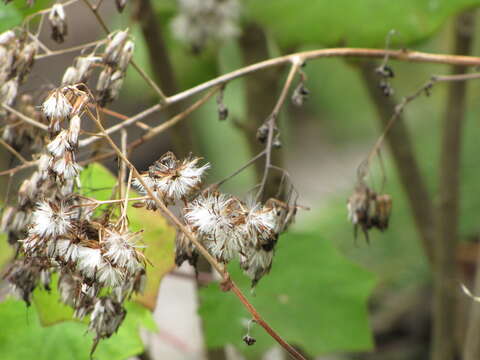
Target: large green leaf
[(25, 338), (353, 22), (314, 297), (13, 14)]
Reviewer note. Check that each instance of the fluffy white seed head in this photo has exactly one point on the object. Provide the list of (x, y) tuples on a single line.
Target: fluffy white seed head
[(60, 144), (56, 106), (89, 261), (52, 219), (120, 249)]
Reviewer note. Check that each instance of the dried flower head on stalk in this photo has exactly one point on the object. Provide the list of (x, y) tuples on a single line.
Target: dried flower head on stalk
[(58, 22), (99, 261), (369, 210), (171, 179)]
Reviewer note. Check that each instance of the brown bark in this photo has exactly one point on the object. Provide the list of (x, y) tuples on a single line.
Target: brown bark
[(445, 272)]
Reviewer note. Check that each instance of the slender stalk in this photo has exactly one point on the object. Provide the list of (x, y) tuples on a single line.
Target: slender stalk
[(13, 151), (229, 284), (445, 271), (400, 144), (24, 117), (401, 55), (157, 129), (296, 63), (140, 71)]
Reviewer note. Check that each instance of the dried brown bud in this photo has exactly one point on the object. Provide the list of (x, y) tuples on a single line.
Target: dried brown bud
[(247, 339), (300, 94), (58, 22)]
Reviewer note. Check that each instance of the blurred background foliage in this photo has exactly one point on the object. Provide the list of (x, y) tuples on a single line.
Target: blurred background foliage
[(316, 295)]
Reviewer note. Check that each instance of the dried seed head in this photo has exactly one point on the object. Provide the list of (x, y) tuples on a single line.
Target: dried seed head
[(368, 210), (106, 318), (23, 277), (247, 339), (119, 247), (71, 76), (65, 167), (173, 179), (126, 55), (60, 144), (57, 19), (8, 91), (300, 94), (7, 37), (52, 219), (56, 107), (215, 217), (25, 60), (74, 131), (256, 263), (114, 48), (185, 250)]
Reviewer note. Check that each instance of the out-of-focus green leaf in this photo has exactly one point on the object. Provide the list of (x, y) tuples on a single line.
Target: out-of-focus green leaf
[(9, 17), (13, 14), (353, 23), (50, 309), (313, 297), (25, 338)]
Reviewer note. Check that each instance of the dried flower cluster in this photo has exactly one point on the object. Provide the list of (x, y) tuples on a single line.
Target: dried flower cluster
[(369, 210), (58, 22), (113, 61), (17, 54), (208, 20), (228, 227), (55, 230)]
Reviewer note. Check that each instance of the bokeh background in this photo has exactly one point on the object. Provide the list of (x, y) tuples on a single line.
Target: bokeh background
[(329, 295)]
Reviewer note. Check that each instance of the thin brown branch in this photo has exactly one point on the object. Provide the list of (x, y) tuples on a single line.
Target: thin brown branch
[(400, 144), (24, 117), (13, 151), (50, 53), (445, 270), (155, 130), (230, 284), (16, 169), (271, 122), (148, 80), (261, 94), (90, 140), (401, 55)]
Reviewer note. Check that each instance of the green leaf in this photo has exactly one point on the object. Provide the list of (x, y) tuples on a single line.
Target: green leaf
[(9, 17), (25, 338), (14, 13), (313, 297), (351, 22)]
